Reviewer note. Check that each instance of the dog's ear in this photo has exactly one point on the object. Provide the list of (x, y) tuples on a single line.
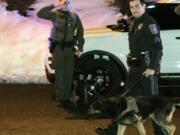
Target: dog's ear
[(100, 101)]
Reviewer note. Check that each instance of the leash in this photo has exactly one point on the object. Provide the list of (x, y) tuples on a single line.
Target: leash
[(132, 86)]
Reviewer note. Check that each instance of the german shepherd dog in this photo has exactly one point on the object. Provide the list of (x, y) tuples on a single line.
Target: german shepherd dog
[(135, 110)]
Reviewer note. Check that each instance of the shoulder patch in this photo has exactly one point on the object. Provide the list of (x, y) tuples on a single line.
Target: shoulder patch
[(73, 14), (153, 29)]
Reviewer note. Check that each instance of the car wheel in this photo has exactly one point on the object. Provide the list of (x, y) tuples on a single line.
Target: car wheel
[(98, 78)]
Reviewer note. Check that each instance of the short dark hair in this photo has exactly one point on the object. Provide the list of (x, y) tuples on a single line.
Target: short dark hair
[(141, 1)]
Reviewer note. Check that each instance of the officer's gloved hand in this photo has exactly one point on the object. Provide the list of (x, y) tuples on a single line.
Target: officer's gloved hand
[(148, 72), (77, 51), (59, 3)]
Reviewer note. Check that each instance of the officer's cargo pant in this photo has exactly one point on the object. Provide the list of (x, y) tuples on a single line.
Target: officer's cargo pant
[(64, 67), (147, 87)]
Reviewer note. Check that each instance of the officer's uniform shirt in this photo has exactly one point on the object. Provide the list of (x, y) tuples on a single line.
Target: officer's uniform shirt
[(66, 25), (144, 36)]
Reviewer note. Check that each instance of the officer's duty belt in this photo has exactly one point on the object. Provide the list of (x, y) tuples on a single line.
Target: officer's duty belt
[(63, 45), (136, 59)]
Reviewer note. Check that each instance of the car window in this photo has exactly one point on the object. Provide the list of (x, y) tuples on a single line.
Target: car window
[(167, 15)]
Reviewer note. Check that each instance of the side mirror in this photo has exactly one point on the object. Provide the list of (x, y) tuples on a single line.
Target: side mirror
[(177, 10), (121, 26)]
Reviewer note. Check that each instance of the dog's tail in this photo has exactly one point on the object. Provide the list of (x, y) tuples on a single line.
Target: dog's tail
[(176, 101)]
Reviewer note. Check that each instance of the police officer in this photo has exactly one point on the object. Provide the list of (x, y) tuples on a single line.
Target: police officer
[(143, 60), (145, 54), (67, 36)]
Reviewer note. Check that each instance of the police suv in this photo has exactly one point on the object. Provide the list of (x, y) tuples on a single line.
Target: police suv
[(102, 69)]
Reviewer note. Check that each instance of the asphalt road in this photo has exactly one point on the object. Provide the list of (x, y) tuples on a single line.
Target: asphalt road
[(30, 110)]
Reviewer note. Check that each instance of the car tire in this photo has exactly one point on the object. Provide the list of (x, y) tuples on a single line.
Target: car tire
[(101, 78)]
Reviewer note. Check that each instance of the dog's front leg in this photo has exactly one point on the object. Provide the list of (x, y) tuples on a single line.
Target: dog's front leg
[(121, 129), (140, 127)]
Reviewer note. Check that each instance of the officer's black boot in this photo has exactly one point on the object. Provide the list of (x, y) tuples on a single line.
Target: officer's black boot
[(110, 130)]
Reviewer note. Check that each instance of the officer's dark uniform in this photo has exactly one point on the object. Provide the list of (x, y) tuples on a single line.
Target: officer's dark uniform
[(145, 52), (67, 31)]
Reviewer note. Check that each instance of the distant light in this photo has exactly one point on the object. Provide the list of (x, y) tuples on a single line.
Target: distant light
[(151, 6), (178, 66)]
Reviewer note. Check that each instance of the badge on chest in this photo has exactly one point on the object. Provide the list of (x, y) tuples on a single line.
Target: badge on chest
[(140, 26)]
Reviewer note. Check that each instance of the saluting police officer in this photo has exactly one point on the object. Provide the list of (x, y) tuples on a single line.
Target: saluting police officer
[(67, 38), (143, 60)]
